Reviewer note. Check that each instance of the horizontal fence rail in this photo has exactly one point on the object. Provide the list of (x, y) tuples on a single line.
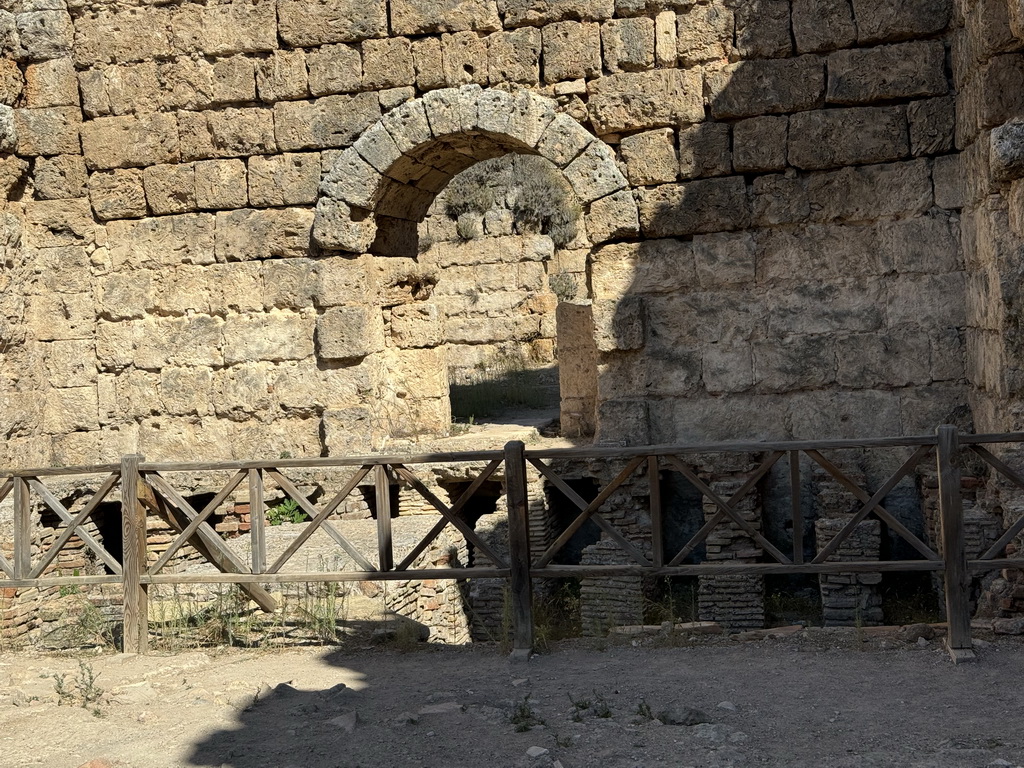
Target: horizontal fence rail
[(145, 490)]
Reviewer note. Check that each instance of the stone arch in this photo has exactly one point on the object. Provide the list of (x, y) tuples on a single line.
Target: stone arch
[(381, 187)]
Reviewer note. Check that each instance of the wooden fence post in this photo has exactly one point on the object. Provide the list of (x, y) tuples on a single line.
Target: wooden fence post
[(521, 585), (133, 560), (22, 529), (957, 577)]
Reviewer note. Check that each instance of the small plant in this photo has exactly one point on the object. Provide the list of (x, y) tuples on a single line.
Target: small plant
[(643, 710), (601, 708), (288, 511), (564, 286), (563, 741), (82, 691), (523, 717)]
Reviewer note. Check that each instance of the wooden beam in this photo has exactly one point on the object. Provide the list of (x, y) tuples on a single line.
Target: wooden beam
[(796, 508), (957, 576), (385, 548), (69, 530), (657, 511), (520, 584), (22, 529), (133, 555), (257, 522)]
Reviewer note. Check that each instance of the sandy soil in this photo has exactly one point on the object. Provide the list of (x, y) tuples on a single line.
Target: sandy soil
[(814, 699)]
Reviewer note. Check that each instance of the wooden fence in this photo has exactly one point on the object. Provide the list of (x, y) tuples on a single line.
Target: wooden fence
[(149, 488)]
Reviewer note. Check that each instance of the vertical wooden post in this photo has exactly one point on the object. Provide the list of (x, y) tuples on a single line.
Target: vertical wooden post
[(133, 561), (958, 612), (657, 514), (521, 585), (257, 521), (797, 509), (22, 529), (385, 553)]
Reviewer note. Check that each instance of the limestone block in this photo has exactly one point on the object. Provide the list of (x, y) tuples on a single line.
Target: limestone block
[(763, 29), (331, 121), (594, 173), (70, 363), (880, 20), (263, 234), (135, 34), (704, 150), (221, 184), (237, 286), (227, 133), (282, 76), (344, 281), (170, 188), (349, 333), (290, 283), (948, 355), (12, 82), (612, 216), (132, 88), (928, 301), (163, 341), (931, 125), (768, 86), (563, 140), (61, 316), (632, 101), (727, 368), (948, 183), (334, 69), (665, 51), (70, 410), (799, 362), (416, 17), (1006, 150), (925, 245), (60, 177), (650, 266), (64, 269), (571, 50), (902, 71), (186, 391), (650, 157), (377, 148), (48, 131), (452, 110), (519, 13), (336, 226), (871, 191), (160, 242), (182, 84), (628, 44), (526, 120), (897, 359), (303, 23), (847, 305), (117, 194), (514, 57), (823, 25), (241, 391), (124, 295), (233, 80), (274, 336), (238, 26), (709, 205), (53, 223), (408, 125), (350, 431), (759, 144), (821, 253), (836, 137), (51, 84), (180, 291), (8, 129), (705, 33), (416, 325), (288, 179), (13, 172), (464, 58), (427, 60), (45, 34), (122, 142), (724, 259), (387, 63)]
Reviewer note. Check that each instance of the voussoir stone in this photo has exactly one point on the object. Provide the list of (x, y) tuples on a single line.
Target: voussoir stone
[(353, 180), (594, 173)]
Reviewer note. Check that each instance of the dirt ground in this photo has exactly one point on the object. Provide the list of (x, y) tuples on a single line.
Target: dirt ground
[(822, 698)]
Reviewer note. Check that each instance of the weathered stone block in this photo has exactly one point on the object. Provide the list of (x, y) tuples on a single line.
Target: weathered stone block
[(416, 17), (612, 216), (632, 101), (867, 361), (903, 71), (263, 234), (427, 59), (799, 362), (928, 301), (514, 57), (628, 44), (416, 325), (349, 333), (837, 137), (117, 194), (304, 23), (704, 150), (70, 410), (332, 121), (763, 29), (932, 124), (336, 226), (55, 223), (282, 76), (289, 179), (237, 26), (768, 86), (8, 130), (666, 54), (1006, 150), (871, 192), (823, 25), (387, 63), (350, 431), (221, 184), (821, 253), (724, 259), (853, 305), (45, 34), (464, 58), (122, 142), (227, 133), (170, 188), (60, 177), (125, 295), (759, 144), (880, 20), (161, 242), (289, 283), (334, 69), (12, 82), (48, 131), (563, 140), (594, 173), (650, 157), (946, 174), (536, 12), (705, 33), (727, 368), (51, 84), (61, 316), (135, 34), (710, 205), (275, 335)]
